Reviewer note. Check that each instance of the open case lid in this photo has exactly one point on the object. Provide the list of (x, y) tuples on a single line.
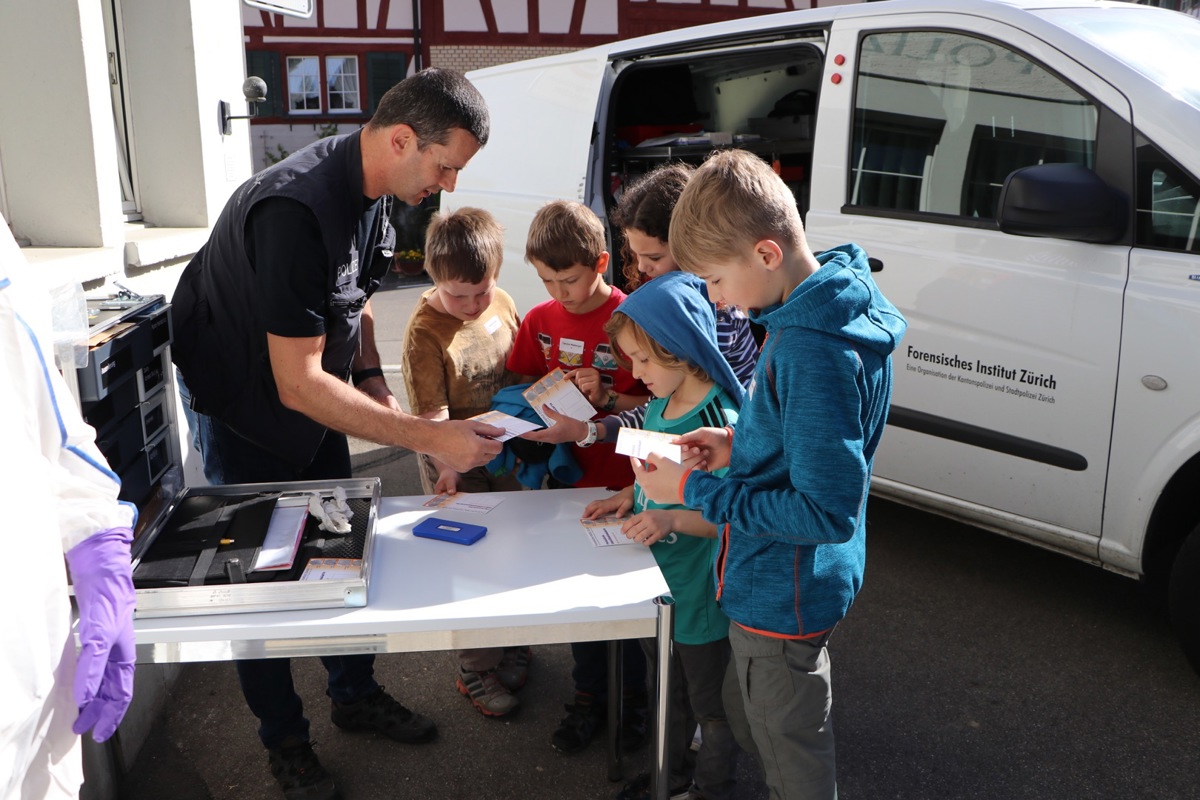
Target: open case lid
[(198, 553)]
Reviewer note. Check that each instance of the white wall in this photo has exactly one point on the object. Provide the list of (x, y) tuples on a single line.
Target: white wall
[(61, 188), (56, 132)]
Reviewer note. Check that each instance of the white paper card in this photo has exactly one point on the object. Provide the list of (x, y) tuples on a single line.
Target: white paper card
[(283, 534), (557, 392), (639, 444), (513, 426)]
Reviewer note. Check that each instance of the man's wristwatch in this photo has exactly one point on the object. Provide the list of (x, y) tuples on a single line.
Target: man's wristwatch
[(590, 439)]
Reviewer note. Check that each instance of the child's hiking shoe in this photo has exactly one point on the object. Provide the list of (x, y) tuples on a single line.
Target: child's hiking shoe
[(380, 713), (299, 773), (639, 789), (634, 721), (513, 670), (487, 692), (584, 717)]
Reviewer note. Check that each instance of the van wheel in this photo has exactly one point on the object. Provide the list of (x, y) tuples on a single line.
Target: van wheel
[(1184, 597)]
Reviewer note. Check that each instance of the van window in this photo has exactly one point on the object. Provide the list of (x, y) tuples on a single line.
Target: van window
[(1168, 203), (942, 118)]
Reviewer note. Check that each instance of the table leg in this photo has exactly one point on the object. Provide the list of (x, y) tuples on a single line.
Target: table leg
[(616, 683), (659, 778)]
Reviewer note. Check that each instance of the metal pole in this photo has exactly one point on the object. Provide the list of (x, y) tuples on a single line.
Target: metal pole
[(418, 64), (615, 684), (659, 779)]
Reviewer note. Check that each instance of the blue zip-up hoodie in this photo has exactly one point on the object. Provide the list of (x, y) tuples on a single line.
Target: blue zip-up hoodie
[(793, 504)]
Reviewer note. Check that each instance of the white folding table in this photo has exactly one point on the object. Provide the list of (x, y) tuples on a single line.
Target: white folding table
[(535, 578)]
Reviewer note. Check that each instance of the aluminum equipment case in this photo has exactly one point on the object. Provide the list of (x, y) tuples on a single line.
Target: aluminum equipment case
[(196, 552)]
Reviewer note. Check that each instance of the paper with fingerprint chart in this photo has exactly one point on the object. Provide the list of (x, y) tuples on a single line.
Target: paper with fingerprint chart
[(332, 569), (606, 531), (560, 393), (464, 501)]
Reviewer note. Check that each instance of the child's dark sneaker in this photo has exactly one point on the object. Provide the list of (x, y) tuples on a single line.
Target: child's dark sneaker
[(513, 670), (299, 773), (380, 713), (584, 717), (487, 692), (634, 721), (639, 789)]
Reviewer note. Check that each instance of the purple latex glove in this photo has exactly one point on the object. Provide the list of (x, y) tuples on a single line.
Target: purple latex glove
[(103, 579)]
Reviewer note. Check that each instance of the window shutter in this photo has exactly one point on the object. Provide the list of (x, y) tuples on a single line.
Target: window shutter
[(384, 70), (265, 64)]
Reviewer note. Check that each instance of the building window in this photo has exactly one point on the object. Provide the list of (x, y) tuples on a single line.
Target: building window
[(341, 78), (304, 85), (384, 70)]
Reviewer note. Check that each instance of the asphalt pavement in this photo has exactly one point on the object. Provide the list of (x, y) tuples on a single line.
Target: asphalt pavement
[(970, 667)]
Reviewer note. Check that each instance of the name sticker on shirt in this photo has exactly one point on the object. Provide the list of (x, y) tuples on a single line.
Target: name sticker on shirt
[(492, 325), (570, 353)]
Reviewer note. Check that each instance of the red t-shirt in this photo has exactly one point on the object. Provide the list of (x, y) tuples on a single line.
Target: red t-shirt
[(550, 338)]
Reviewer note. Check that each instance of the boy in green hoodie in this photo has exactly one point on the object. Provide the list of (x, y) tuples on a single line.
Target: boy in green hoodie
[(791, 510)]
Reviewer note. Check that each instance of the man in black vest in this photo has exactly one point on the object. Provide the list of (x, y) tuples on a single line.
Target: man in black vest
[(273, 315)]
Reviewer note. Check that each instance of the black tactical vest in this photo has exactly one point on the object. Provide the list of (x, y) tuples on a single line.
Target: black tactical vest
[(220, 343)]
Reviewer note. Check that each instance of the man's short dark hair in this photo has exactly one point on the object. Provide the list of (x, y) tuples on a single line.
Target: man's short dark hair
[(434, 102)]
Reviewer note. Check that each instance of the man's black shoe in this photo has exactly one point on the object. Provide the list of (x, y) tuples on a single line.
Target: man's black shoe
[(299, 773), (380, 713)]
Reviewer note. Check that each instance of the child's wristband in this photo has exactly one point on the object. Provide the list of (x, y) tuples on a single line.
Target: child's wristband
[(683, 483)]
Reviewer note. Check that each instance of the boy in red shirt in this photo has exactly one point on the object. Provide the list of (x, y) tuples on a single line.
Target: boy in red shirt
[(566, 246)]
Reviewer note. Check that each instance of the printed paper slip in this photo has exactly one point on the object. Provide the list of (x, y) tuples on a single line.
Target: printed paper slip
[(557, 392), (639, 444), (331, 569), (513, 426), (605, 531), (283, 534), (464, 501)]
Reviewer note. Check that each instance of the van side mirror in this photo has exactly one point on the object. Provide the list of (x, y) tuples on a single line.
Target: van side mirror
[(1062, 201)]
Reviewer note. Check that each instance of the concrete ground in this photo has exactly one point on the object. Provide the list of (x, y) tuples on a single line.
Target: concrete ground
[(203, 745)]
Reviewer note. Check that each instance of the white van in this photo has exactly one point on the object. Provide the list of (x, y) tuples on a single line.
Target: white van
[(1024, 177)]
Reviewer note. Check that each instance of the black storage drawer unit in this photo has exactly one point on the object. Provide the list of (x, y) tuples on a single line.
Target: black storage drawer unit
[(142, 337), (124, 392)]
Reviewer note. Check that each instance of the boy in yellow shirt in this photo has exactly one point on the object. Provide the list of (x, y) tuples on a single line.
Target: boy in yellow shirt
[(455, 348)]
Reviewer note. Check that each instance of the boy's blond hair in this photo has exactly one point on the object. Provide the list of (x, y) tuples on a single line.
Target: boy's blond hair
[(621, 323), (564, 233), (733, 200), (466, 245)]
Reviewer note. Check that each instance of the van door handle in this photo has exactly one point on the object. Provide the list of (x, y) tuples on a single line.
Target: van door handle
[(875, 264)]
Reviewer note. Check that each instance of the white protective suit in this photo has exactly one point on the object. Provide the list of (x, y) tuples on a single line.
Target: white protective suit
[(61, 491)]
